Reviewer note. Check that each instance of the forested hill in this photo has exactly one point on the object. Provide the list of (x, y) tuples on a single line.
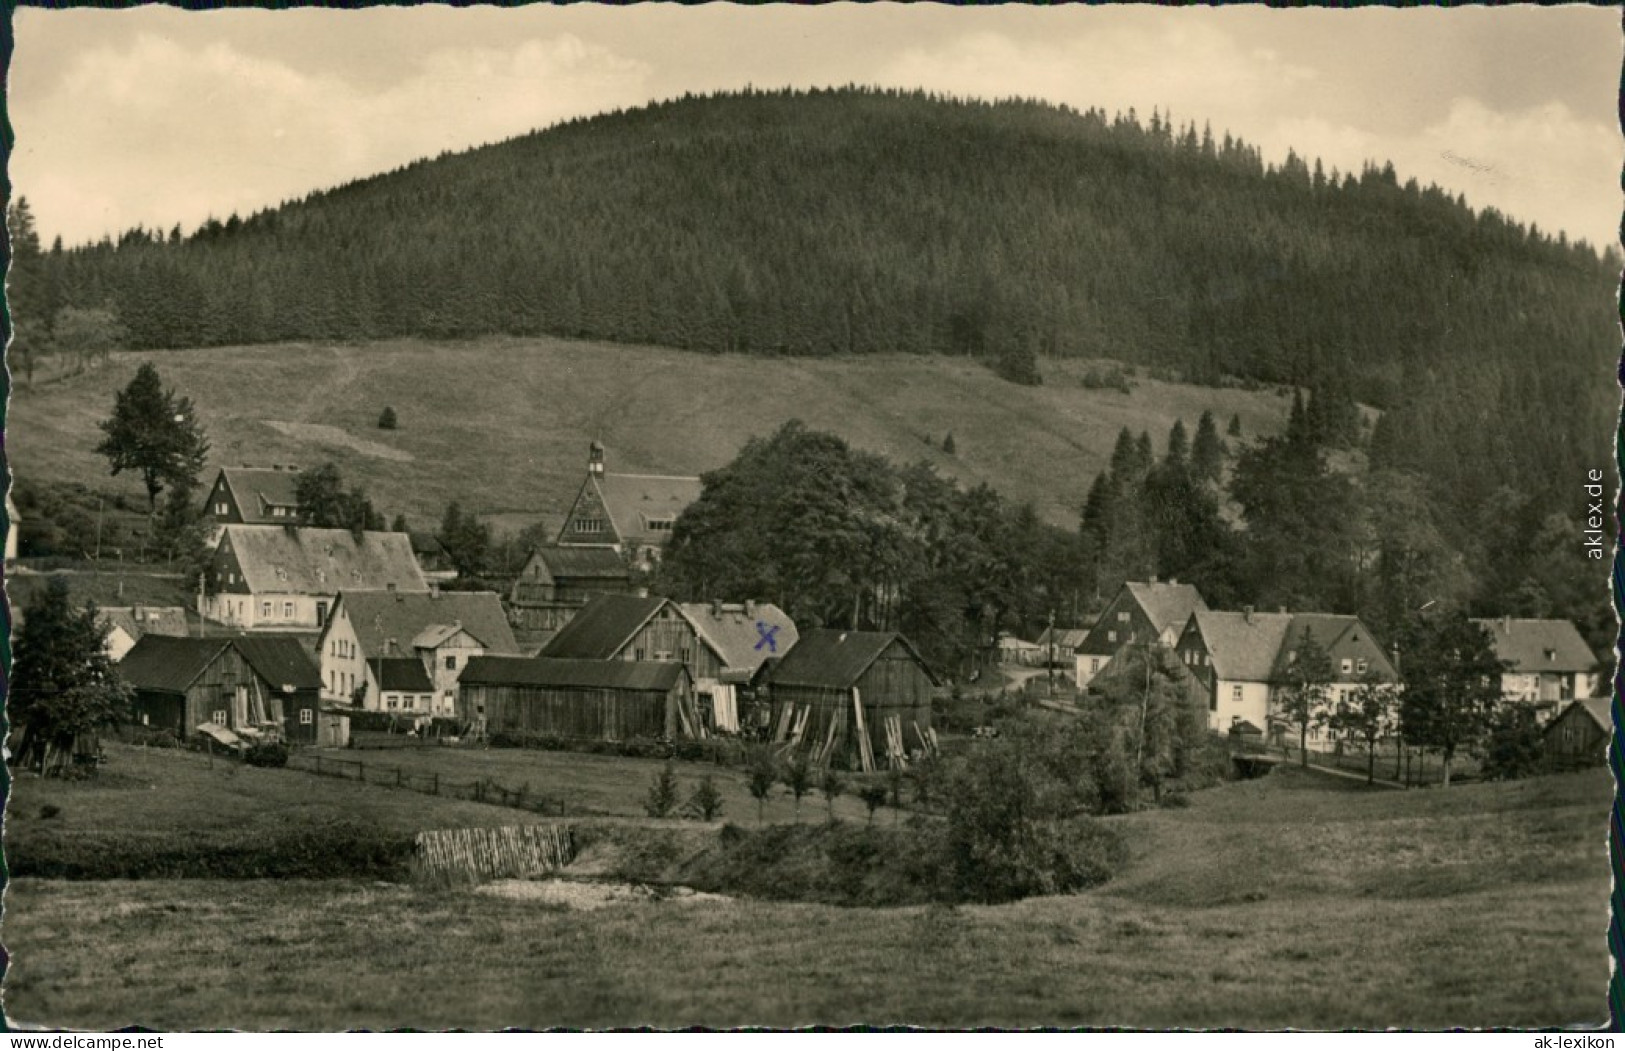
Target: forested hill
[(855, 221)]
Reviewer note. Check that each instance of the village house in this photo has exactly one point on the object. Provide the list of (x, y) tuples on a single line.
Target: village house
[(286, 577), (836, 691), (439, 631), (257, 687), (1580, 734), (253, 496), (605, 700), (558, 579), (1241, 658), (1548, 662), (632, 514), (1141, 611), (1059, 645), (126, 625), (742, 636), (1014, 650)]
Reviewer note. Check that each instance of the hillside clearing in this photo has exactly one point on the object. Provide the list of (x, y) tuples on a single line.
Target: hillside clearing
[(1263, 905), (505, 424)]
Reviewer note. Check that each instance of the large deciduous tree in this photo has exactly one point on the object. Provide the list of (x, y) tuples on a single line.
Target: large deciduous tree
[(325, 503), (466, 539), (156, 433), (1452, 684), (1368, 713), (63, 684), (1302, 688)]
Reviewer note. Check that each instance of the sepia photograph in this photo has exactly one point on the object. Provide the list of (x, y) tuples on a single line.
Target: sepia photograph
[(585, 517)]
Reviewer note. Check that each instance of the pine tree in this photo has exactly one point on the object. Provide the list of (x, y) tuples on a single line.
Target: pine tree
[(1234, 430), (156, 433), (1208, 451)]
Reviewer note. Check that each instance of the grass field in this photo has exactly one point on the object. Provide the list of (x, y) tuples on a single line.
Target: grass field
[(1291, 901), (504, 424), (592, 785)]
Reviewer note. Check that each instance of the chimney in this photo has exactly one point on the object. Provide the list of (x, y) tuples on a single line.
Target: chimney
[(1173, 580), (1506, 624), (1280, 609), (750, 607), (595, 459), (1153, 578), (1247, 612), (716, 608)]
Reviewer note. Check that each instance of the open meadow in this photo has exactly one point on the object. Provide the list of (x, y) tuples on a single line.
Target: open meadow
[(504, 425), (1296, 900)]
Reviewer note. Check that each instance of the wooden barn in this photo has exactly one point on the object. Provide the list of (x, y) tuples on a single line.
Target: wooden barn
[(264, 686), (1579, 736), (859, 696), (607, 700)]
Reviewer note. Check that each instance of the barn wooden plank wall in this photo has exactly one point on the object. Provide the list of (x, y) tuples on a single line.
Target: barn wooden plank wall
[(572, 712), (893, 687), (514, 852)]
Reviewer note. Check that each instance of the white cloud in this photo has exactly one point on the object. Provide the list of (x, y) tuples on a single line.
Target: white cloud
[(152, 131)]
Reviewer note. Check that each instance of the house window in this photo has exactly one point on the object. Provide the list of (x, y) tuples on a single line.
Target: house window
[(287, 609), (660, 525), (306, 717), (637, 654), (451, 663), (1111, 636), (218, 717), (589, 525), (1122, 617), (265, 609), (221, 508), (1346, 665), (1361, 666), (1235, 694), (1094, 665)]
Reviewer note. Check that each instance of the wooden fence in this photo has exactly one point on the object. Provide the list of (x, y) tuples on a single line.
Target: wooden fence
[(516, 852), (482, 790)]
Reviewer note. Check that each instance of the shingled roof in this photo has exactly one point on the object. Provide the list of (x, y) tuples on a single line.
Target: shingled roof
[(742, 638), (582, 674), (834, 658), (378, 616), (1168, 605), (633, 500), (1331, 629), (603, 627), (1243, 646), (300, 560), (1539, 645)]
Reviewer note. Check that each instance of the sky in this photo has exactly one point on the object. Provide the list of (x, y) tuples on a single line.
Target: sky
[(155, 116)]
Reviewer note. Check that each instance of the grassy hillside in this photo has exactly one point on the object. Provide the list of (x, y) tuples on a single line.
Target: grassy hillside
[(503, 424), (1264, 905), (857, 222)]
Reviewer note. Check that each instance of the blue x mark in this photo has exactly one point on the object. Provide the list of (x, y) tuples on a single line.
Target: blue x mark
[(767, 631)]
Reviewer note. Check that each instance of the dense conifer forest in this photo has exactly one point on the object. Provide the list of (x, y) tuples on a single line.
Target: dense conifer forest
[(854, 221)]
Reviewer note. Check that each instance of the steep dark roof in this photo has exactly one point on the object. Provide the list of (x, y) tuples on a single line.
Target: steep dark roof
[(281, 660), (585, 674), (602, 628), (1539, 645), (598, 563), (834, 658), (402, 675), (1331, 631), (378, 616), (168, 663), (1243, 646)]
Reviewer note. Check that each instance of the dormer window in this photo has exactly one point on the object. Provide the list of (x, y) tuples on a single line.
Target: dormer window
[(1551, 655), (660, 525)]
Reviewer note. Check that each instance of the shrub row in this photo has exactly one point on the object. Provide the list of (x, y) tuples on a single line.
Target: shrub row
[(337, 850), (722, 751)]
